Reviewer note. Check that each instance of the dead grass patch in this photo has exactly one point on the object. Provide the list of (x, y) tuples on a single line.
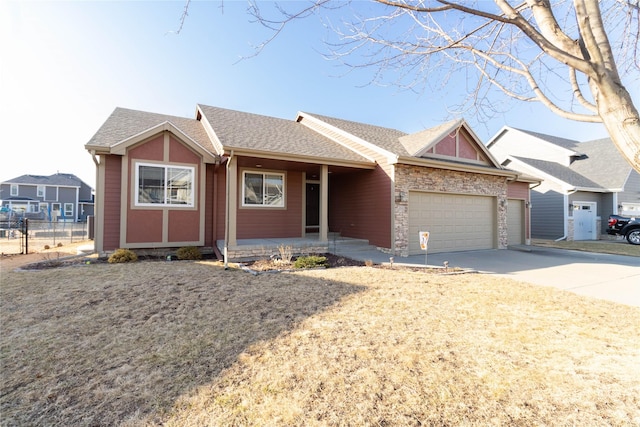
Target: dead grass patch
[(190, 344), (615, 247)]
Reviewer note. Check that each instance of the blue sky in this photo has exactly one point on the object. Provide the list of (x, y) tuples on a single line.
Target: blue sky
[(64, 67)]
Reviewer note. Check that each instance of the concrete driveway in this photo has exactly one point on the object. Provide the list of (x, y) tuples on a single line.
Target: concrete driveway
[(609, 277)]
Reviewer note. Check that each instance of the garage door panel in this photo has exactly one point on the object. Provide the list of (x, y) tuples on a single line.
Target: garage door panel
[(455, 222)]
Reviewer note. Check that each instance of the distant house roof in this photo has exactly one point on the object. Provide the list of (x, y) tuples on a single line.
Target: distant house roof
[(60, 179), (563, 173), (596, 164), (569, 144)]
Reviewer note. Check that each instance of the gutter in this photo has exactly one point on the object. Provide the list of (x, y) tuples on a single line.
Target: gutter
[(95, 159)]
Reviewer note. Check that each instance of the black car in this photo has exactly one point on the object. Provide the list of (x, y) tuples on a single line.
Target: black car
[(625, 226)]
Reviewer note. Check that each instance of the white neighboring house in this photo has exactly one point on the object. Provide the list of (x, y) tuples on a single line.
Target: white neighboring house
[(583, 182)]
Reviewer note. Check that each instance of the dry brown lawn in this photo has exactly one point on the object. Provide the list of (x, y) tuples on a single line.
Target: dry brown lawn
[(190, 344), (615, 247)]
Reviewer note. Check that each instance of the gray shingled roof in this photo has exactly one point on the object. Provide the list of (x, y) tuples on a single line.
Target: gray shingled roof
[(124, 123), (600, 165), (385, 138), (240, 130), (61, 179), (561, 172)]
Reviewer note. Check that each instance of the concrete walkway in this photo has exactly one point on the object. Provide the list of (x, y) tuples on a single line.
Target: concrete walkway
[(609, 277)]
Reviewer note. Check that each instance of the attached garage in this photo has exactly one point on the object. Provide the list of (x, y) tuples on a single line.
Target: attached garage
[(515, 222), (456, 222)]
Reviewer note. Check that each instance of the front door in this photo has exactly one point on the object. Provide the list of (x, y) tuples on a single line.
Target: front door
[(312, 208), (584, 221)]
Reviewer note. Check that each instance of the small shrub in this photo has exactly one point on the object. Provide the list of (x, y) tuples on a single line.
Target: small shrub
[(286, 253), (59, 245), (47, 247), (189, 252), (123, 255), (311, 261)]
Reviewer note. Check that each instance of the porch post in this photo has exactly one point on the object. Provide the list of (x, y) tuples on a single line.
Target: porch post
[(324, 203), (232, 201)]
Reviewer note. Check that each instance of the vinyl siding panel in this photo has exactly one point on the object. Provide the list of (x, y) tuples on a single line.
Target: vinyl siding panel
[(360, 206), (221, 206), (631, 193), (112, 190), (547, 215), (263, 222)]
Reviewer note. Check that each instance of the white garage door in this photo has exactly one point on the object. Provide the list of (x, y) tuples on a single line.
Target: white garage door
[(455, 222), (515, 222)]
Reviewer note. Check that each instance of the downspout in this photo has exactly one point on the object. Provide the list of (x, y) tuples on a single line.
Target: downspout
[(566, 215), (529, 207), (226, 214)]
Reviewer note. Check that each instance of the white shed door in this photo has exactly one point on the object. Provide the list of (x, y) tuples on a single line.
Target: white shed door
[(455, 222), (515, 222)]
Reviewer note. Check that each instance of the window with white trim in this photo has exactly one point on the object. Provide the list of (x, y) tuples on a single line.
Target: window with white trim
[(40, 191), (14, 189), (159, 185), (262, 189), (68, 210)]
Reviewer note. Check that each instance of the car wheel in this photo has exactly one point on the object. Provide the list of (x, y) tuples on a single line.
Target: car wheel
[(633, 237)]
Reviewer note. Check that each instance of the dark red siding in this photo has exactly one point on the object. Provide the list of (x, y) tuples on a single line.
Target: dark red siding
[(360, 206), (466, 150), (447, 146), (518, 190), (209, 226), (112, 191), (220, 206), (180, 153), (257, 223), (150, 150), (144, 226), (183, 226)]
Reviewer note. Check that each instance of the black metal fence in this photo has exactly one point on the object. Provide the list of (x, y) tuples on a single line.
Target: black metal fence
[(25, 235)]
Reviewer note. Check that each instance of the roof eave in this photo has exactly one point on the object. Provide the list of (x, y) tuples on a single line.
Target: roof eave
[(120, 148)]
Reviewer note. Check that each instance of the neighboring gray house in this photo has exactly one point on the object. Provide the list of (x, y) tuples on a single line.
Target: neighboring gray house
[(583, 182), (59, 197)]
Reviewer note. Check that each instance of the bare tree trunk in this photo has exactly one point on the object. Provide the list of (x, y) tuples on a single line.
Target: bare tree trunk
[(621, 119)]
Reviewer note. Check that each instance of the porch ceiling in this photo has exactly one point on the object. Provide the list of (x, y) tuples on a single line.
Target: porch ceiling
[(311, 169)]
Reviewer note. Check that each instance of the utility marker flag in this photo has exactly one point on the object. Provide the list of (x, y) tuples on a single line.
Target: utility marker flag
[(424, 239)]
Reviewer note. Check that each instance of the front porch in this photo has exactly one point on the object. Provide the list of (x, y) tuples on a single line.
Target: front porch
[(252, 249)]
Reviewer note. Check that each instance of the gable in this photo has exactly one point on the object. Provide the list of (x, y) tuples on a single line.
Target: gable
[(460, 146)]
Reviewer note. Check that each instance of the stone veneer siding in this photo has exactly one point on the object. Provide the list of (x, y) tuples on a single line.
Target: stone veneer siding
[(416, 178)]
